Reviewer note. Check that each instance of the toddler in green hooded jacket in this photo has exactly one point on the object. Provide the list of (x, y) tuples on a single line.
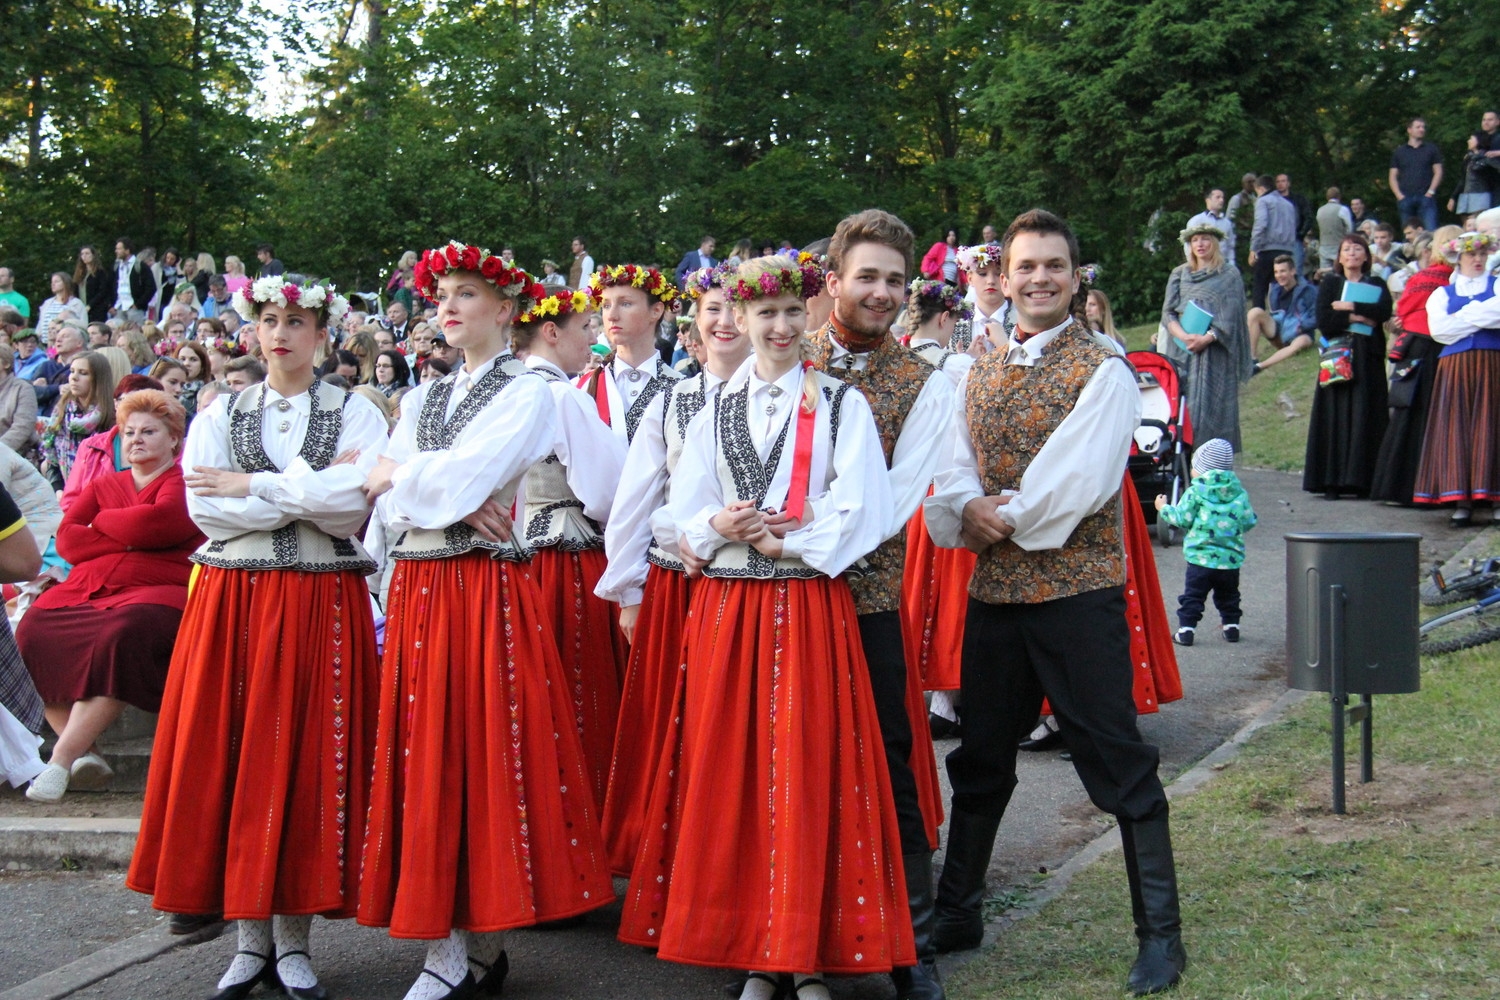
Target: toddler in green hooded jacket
[(1214, 514)]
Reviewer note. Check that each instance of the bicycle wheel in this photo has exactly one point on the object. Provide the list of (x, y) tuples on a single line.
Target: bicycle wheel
[(1465, 588), (1465, 628)]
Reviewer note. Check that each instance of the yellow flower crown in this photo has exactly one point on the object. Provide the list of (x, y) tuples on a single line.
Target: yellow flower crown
[(647, 279), (563, 303)]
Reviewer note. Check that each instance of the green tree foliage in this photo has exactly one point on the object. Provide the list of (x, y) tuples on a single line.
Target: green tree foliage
[(124, 117), (642, 127)]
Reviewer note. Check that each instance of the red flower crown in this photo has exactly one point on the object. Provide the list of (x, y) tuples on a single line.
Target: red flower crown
[(507, 278)]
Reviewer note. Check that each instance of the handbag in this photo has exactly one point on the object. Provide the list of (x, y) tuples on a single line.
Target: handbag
[(1335, 362), (1404, 381)]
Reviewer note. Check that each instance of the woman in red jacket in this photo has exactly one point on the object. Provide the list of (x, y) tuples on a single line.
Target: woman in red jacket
[(103, 639)]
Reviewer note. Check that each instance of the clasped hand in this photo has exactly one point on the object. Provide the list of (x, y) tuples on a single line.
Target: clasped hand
[(742, 521), (982, 524)]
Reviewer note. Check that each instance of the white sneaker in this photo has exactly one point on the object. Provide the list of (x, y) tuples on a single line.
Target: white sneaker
[(91, 773), (49, 786)]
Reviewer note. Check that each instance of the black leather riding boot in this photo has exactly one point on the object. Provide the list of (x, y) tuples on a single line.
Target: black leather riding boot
[(920, 982), (960, 896), (1160, 958)]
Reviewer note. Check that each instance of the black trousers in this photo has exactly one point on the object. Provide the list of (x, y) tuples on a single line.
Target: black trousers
[(880, 634), (1224, 584), (1076, 651)]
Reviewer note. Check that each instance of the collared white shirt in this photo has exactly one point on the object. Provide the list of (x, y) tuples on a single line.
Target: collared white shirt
[(958, 363), (1075, 473), (464, 382), (488, 457), (331, 498), (640, 508), (123, 299), (1450, 328), (916, 457), (591, 455), (632, 381)]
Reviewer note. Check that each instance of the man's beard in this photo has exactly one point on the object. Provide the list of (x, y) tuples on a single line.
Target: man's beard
[(859, 337)]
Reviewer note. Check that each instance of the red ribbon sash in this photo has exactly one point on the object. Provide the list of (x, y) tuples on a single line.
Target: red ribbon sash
[(796, 494), (594, 386)]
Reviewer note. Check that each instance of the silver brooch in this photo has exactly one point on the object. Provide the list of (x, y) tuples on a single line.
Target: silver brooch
[(635, 375), (286, 425), (283, 405)]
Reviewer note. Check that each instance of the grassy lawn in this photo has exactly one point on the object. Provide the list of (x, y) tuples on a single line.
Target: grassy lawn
[(1274, 407), (1399, 898)]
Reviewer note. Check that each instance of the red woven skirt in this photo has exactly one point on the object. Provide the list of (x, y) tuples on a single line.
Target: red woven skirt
[(481, 816), (257, 788), (646, 712), (592, 648), (778, 850), (1461, 448), (934, 601)]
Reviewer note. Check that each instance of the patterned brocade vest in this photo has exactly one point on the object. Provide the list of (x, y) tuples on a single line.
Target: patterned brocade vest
[(892, 379), (298, 545), (680, 404), (1012, 410), (437, 432)]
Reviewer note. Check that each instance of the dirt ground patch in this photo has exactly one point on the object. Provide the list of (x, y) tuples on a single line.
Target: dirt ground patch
[(1427, 798)]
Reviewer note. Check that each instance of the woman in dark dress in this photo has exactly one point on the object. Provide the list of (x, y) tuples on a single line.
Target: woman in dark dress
[(1416, 353), (1349, 417)]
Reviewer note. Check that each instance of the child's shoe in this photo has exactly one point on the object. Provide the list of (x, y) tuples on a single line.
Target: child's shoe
[(1231, 633), (1184, 636)]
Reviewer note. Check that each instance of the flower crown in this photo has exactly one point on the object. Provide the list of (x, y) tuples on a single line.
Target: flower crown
[(167, 347), (647, 279), (560, 304), (507, 278), (706, 278), (946, 295), (802, 277), (1469, 243), (1201, 229), (223, 345), (973, 258), (1090, 273), (290, 290)]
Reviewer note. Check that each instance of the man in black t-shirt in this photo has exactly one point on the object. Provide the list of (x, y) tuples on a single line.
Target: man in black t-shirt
[(1416, 172), (1481, 189)]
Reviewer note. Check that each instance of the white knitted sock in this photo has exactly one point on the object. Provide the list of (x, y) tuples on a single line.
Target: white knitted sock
[(254, 953), (447, 962), (483, 950), (810, 987), (757, 988), (293, 964)]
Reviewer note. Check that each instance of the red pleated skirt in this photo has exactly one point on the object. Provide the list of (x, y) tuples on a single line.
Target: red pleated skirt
[(257, 788), (647, 711), (1461, 447), (481, 816), (934, 601), (777, 849), (593, 651)]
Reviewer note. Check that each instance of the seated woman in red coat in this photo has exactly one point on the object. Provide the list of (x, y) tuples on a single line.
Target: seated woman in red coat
[(103, 639)]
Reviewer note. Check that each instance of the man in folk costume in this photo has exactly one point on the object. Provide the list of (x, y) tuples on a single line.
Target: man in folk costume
[(634, 299), (1032, 485), (869, 258)]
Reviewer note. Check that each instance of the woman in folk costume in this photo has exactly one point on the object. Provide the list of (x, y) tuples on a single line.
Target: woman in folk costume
[(935, 584), (645, 575), (633, 299), (481, 816), (567, 497), (256, 796), (776, 848)]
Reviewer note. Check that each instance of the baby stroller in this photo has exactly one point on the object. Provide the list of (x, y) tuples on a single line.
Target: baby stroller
[(1163, 444)]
